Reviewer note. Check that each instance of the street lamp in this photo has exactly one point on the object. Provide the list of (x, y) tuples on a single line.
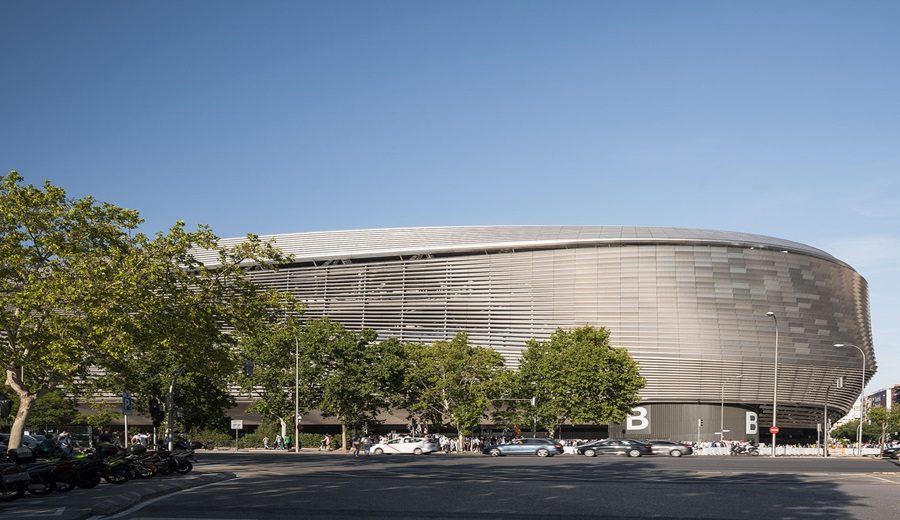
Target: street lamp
[(722, 411), (296, 395), (862, 395), (775, 386)]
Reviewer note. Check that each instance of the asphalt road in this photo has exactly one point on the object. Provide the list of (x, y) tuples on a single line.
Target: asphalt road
[(312, 485)]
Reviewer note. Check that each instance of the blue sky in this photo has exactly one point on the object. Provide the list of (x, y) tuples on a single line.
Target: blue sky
[(778, 118)]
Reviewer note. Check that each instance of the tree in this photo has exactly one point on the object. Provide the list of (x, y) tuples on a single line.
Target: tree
[(357, 377), (272, 352), (187, 314), (577, 376), (453, 382), (849, 430), (886, 421), (82, 294), (63, 276)]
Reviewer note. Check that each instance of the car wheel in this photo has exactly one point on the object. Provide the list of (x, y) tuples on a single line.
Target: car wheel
[(495, 453), (542, 452), (417, 451), (675, 453), (634, 452), (378, 451), (590, 453)]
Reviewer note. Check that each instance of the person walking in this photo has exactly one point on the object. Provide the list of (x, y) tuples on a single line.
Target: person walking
[(266, 442), (279, 442)]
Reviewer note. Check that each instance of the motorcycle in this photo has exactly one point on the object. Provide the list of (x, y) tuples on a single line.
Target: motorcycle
[(183, 454), (113, 467), (138, 462), (745, 449), (14, 479), (71, 470)]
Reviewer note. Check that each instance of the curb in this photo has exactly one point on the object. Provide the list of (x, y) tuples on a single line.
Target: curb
[(153, 490)]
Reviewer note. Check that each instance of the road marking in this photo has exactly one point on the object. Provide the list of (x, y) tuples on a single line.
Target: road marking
[(142, 505), (26, 512)]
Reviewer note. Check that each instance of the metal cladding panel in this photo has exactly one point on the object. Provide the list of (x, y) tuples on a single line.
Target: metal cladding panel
[(692, 314)]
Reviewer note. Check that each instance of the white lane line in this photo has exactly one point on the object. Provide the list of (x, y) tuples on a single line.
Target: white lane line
[(26, 512)]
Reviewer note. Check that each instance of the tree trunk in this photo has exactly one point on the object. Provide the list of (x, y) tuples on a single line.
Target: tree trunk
[(26, 399), (283, 427), (460, 440), (344, 437)]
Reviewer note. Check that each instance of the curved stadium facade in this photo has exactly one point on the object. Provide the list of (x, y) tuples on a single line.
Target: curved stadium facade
[(689, 305)]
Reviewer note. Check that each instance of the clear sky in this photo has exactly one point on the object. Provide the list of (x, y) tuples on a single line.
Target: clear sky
[(777, 118)]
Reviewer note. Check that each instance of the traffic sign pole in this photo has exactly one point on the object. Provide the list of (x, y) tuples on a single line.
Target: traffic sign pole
[(126, 411)]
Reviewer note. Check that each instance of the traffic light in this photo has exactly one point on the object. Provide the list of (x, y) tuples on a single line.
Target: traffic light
[(699, 422), (5, 408), (156, 412)]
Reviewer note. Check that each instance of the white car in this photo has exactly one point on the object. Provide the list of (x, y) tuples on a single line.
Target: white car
[(414, 445)]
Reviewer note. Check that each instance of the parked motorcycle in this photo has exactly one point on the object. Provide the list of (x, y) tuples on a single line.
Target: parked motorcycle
[(113, 467), (745, 449), (14, 479)]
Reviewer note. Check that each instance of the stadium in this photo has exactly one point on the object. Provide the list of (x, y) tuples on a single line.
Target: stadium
[(690, 306)]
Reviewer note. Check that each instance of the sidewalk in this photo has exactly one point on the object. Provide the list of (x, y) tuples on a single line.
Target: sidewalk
[(105, 499)]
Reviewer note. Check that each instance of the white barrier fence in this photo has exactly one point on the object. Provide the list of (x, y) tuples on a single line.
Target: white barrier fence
[(783, 451), (780, 451)]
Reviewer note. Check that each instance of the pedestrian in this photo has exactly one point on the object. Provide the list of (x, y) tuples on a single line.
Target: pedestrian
[(279, 442), (266, 442), (357, 442), (287, 441)]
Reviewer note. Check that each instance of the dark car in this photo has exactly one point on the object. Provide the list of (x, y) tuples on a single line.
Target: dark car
[(28, 441), (891, 453), (670, 448), (539, 447), (615, 447)]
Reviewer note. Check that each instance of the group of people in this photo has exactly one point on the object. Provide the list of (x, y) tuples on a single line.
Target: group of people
[(63, 442), (281, 442)]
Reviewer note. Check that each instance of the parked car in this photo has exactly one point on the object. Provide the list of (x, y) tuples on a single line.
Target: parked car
[(615, 447), (670, 448), (28, 441), (539, 447), (891, 453), (414, 445)]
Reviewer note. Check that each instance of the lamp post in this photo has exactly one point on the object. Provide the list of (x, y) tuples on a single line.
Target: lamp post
[(862, 395), (775, 386), (296, 395), (722, 411), (170, 407)]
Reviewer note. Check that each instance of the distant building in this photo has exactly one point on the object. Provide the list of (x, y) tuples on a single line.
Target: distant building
[(689, 305)]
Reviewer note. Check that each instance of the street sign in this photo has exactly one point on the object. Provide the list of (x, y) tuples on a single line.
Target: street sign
[(126, 403), (237, 424), (774, 430)]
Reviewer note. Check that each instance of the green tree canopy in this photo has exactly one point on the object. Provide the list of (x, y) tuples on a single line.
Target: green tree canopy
[(273, 350), (187, 314), (81, 293), (64, 274), (577, 376), (358, 377), (885, 422), (453, 382)]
